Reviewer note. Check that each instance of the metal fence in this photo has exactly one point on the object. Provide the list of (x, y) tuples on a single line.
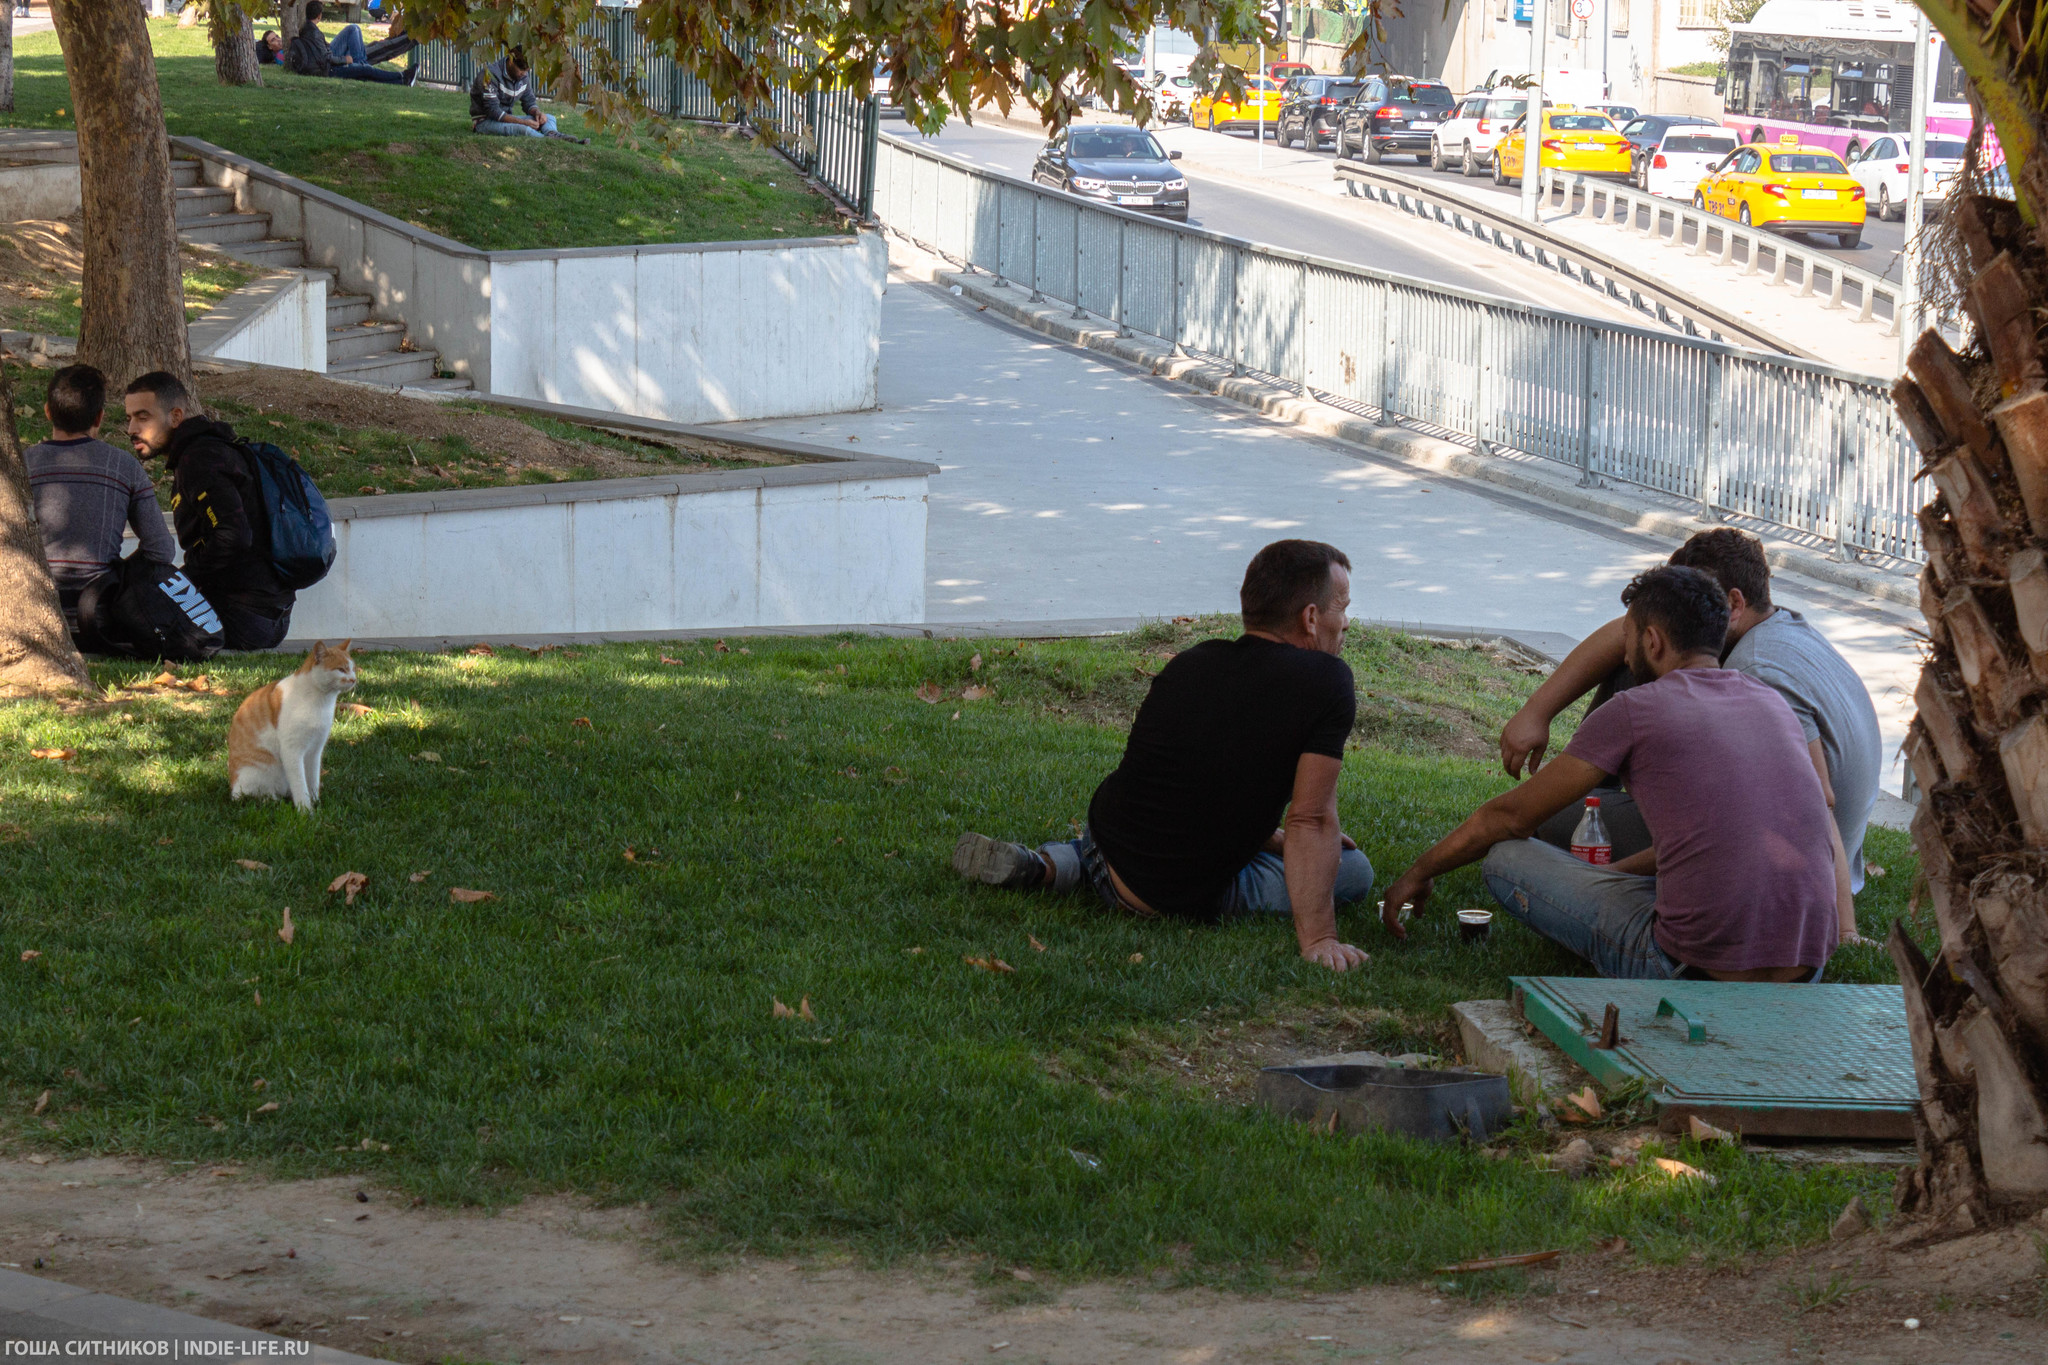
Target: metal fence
[(829, 134), (1792, 442)]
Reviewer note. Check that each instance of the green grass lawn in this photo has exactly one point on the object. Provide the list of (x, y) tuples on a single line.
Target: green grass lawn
[(54, 310), (409, 153), (677, 836)]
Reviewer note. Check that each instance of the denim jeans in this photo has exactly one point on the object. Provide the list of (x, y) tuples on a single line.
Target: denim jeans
[(246, 629), (1260, 887), (1608, 918), (499, 128), (347, 45)]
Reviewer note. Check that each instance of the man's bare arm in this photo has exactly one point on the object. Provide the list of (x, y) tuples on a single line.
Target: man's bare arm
[(1311, 849), (1527, 736), (1845, 897)]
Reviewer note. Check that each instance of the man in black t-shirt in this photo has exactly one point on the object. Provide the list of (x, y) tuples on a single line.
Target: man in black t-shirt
[(1233, 733)]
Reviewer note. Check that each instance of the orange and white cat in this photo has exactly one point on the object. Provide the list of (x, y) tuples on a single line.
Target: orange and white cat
[(280, 730)]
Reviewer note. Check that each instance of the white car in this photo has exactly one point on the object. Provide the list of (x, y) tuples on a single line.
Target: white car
[(1467, 138), (1683, 157), (1882, 168)]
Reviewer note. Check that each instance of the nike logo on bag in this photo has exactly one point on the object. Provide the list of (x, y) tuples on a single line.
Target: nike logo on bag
[(194, 603)]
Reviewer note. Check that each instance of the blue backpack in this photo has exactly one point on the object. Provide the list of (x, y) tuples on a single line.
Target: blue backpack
[(301, 532)]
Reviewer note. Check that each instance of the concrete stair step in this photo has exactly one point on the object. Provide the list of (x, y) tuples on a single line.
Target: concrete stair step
[(269, 251), (227, 227), (442, 384), (344, 310), (185, 172), (201, 201), (364, 339), (387, 367)]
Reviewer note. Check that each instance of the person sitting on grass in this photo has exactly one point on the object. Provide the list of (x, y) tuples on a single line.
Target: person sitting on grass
[(503, 102), (1232, 733), (1774, 645), (86, 492), (1739, 884), (346, 58)]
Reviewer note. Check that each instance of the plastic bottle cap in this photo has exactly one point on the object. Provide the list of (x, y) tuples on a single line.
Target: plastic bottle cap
[(1593, 802)]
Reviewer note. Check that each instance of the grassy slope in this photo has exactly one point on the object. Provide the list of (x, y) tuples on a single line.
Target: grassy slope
[(410, 153), (605, 1025), (57, 313)]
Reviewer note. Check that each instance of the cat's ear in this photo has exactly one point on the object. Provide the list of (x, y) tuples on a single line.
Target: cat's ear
[(342, 648), (313, 656)]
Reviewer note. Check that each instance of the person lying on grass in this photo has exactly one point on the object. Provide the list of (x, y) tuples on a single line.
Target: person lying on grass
[(1232, 733), (346, 57), (1739, 883)]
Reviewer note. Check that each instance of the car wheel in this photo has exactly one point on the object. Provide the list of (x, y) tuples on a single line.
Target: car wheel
[(1469, 166), (1499, 176), (1699, 201), (1850, 240), (1884, 203), (1742, 216), (1436, 155), (1370, 151)]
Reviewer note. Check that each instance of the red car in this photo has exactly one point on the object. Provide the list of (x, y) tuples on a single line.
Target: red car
[(1281, 71)]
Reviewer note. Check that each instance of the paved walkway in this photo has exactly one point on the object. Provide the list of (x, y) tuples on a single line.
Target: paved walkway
[(1074, 486), (36, 1310)]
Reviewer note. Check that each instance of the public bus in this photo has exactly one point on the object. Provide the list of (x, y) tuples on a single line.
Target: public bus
[(1837, 74)]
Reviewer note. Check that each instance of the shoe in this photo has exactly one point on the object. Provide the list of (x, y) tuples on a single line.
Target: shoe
[(995, 863), (412, 74)]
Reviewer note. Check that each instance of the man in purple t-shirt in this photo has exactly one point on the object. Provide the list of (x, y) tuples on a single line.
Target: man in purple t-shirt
[(1739, 884)]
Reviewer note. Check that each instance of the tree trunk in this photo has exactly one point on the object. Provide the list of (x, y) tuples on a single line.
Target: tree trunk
[(6, 57), (1978, 1014), (234, 44), (133, 296), (291, 17), (36, 654)]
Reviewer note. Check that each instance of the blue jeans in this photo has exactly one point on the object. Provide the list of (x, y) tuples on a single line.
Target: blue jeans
[(1608, 918), (347, 45), (1260, 887), (499, 128)]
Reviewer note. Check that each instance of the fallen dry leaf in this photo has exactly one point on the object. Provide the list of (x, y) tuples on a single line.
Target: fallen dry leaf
[(267, 1107), (915, 952), (251, 865), (30, 954), (1499, 1262), (781, 1010), (259, 1083), (665, 659), (38, 1160), (720, 647), (839, 668), (481, 648), (990, 964), (356, 708), (583, 721), (745, 650), (1679, 1170), (929, 693), (975, 692), (1588, 1101), (60, 755), (426, 756), (285, 930), (803, 1010), (462, 895), (1035, 944), (974, 664), (1873, 870), (418, 877), (259, 999), (348, 883), (198, 684), (164, 679), (1702, 1131), (42, 1103), (1136, 958)]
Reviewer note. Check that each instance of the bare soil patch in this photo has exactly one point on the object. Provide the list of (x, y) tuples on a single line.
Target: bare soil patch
[(42, 262), (556, 1279)]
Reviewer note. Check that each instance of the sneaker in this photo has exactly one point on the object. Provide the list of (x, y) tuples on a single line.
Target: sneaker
[(995, 863), (412, 74)]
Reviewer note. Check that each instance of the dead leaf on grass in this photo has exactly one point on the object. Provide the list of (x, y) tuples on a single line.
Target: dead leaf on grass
[(583, 721), (42, 1103), (1679, 1170), (268, 1107), (781, 1010), (990, 964), (426, 756), (719, 647), (1702, 1131), (803, 1010), (929, 693), (840, 668), (975, 692), (974, 664), (38, 1159), (462, 895), (1873, 870), (30, 954), (665, 659), (1499, 1262), (251, 865), (356, 708), (1588, 1101), (285, 931), (745, 650), (1136, 958), (481, 648), (348, 883), (58, 755), (1036, 946), (418, 877)]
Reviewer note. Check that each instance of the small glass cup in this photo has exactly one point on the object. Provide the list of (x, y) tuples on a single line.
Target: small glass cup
[(1474, 924)]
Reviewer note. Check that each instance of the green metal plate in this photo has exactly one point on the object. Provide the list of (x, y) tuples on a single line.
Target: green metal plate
[(1787, 1060)]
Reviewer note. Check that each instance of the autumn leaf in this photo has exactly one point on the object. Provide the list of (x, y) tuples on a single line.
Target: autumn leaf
[(349, 883), (1036, 946), (583, 721), (782, 1011), (839, 668), (1702, 1131), (1873, 870), (929, 693), (990, 964), (462, 895), (356, 708), (251, 865), (745, 650), (267, 1107), (665, 659), (259, 998), (974, 664), (59, 755), (803, 1010), (42, 1103), (198, 684), (418, 877), (164, 679), (1678, 1170), (30, 954), (426, 756), (286, 930), (1136, 958), (481, 648), (975, 692), (720, 647), (1587, 1101)]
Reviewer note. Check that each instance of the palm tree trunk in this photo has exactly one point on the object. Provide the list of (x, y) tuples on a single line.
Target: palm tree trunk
[(1978, 1013)]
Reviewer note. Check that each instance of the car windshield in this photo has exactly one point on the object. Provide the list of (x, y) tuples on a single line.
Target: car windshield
[(1582, 122), (1945, 149), (1809, 163), (1114, 144), (1431, 94), (1506, 108), (1701, 146), (1343, 90)]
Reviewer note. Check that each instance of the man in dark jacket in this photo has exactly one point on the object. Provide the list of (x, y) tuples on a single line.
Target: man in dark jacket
[(346, 58), (504, 103), (217, 507)]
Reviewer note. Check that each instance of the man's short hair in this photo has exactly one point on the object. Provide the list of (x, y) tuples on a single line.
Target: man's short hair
[(1685, 603), (1285, 577), (515, 60), (168, 390), (78, 398), (1733, 557), (314, 9)]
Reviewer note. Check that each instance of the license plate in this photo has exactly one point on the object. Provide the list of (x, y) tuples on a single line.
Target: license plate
[(1132, 198), (1422, 123), (1820, 194), (1588, 147)]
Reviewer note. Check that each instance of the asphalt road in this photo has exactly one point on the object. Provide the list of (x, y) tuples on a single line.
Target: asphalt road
[(1283, 220)]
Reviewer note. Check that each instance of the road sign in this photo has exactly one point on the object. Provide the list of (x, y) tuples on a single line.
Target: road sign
[(1582, 9)]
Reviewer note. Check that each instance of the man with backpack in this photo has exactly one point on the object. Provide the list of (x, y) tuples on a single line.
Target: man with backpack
[(220, 508), (346, 58)]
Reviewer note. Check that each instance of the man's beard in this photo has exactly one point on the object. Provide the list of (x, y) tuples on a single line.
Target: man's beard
[(1639, 665)]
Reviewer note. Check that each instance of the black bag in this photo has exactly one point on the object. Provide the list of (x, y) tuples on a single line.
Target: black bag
[(147, 609), (308, 54), (295, 520)]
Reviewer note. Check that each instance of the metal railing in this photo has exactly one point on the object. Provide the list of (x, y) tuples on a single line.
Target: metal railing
[(1792, 442), (829, 134)]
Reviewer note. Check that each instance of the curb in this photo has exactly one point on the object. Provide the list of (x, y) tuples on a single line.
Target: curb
[(1427, 454), (66, 1320)]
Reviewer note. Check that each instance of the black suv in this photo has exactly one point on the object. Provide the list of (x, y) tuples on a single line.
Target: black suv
[(1644, 133), (1394, 116), (1311, 107)]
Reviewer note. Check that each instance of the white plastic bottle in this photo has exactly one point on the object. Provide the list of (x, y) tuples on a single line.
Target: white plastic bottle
[(1589, 841)]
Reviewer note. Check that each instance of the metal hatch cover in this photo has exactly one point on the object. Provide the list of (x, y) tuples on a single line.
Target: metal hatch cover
[(1770, 1060)]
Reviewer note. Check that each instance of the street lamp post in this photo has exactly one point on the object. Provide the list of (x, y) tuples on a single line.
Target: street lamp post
[(1532, 121), (1909, 299)]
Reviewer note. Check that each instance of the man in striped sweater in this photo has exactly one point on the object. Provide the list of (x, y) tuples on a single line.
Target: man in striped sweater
[(86, 491)]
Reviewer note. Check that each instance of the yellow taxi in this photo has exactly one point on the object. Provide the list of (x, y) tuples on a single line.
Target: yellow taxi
[(1787, 187), (1582, 140), (1219, 112)]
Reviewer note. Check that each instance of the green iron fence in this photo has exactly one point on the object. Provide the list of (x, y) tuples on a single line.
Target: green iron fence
[(827, 134)]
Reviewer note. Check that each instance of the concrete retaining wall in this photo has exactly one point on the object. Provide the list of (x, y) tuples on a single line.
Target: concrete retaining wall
[(44, 190), (816, 544), (279, 319), (694, 332)]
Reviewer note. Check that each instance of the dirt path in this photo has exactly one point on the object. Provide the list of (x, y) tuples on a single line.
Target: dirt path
[(554, 1280)]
